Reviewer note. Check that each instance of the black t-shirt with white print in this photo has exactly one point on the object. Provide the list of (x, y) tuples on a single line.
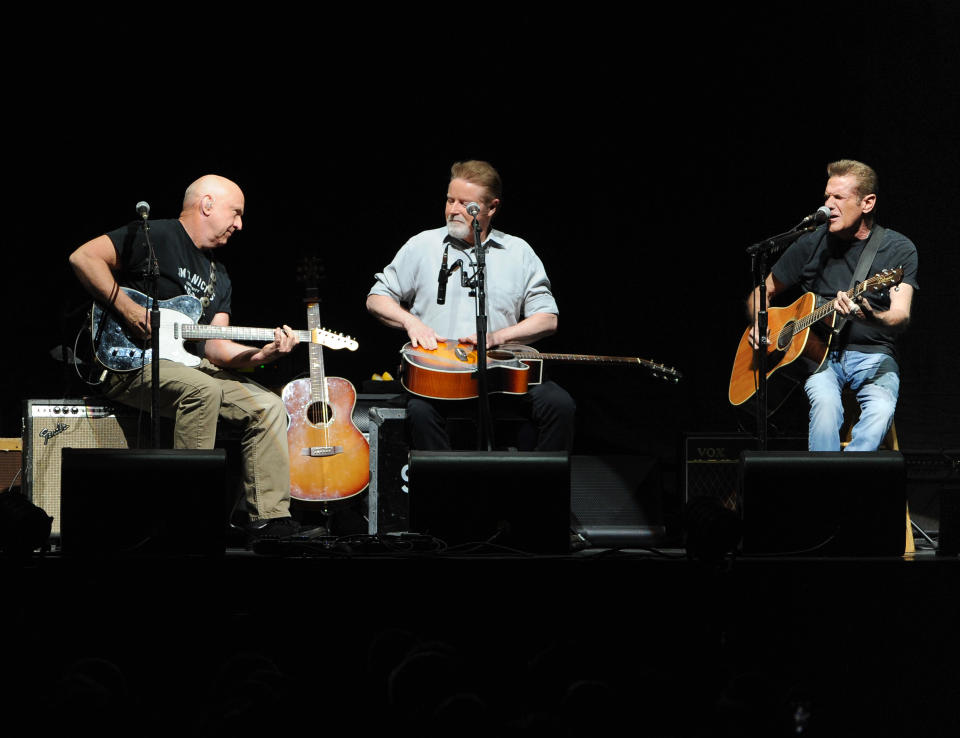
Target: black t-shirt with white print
[(184, 268)]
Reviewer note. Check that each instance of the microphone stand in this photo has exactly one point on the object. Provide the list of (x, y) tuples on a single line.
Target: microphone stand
[(758, 255), (153, 276), (485, 430)]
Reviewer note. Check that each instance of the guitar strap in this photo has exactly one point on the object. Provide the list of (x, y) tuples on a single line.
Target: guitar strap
[(208, 292), (864, 264)]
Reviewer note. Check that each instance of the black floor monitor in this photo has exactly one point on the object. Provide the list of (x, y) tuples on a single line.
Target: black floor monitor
[(823, 503), (143, 501), (517, 499)]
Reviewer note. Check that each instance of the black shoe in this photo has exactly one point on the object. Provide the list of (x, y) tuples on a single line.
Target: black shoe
[(273, 528), (278, 528)]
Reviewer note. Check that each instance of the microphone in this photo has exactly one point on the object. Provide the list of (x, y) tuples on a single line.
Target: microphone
[(473, 209), (821, 216), (442, 280), (143, 209)]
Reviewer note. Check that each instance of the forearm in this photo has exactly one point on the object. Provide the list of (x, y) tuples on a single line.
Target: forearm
[(97, 277), (753, 305), (896, 320), (232, 355), (528, 330), (388, 311), (772, 287)]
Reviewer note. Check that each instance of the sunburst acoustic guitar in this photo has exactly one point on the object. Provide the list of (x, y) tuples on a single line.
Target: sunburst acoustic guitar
[(449, 371)]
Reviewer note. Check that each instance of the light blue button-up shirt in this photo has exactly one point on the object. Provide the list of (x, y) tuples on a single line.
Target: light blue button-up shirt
[(516, 283)]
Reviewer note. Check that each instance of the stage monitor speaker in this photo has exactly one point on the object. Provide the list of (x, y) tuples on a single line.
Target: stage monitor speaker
[(823, 503), (143, 501), (388, 493), (617, 500), (366, 402), (50, 425), (517, 499)]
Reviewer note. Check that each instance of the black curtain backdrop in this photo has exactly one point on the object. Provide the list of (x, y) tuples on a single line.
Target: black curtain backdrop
[(640, 159)]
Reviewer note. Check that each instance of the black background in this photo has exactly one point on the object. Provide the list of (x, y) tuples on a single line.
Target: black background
[(640, 156)]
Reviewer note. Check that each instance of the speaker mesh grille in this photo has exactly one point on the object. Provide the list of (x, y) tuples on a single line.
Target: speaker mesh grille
[(52, 425)]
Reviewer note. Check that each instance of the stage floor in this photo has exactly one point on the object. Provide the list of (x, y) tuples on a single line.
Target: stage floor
[(858, 642)]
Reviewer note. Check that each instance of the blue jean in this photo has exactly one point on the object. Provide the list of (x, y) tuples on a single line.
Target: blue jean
[(875, 379)]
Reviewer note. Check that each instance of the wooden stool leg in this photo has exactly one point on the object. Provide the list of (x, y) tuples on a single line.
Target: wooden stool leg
[(910, 547)]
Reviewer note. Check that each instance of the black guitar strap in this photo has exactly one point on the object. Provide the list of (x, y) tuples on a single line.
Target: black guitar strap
[(864, 264)]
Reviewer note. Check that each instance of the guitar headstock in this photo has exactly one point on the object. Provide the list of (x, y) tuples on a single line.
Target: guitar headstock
[(661, 371), (333, 340), (883, 279)]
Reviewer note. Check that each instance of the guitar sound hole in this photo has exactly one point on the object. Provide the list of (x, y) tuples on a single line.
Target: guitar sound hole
[(785, 336), (319, 413)]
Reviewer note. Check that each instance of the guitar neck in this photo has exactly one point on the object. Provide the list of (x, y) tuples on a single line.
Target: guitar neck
[(581, 358), (318, 384), (829, 307), (195, 332), (591, 359)]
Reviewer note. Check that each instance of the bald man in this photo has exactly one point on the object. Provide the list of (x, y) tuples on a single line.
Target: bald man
[(196, 397)]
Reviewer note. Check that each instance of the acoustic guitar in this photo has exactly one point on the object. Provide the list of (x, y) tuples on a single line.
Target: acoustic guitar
[(449, 371), (329, 456), (800, 329)]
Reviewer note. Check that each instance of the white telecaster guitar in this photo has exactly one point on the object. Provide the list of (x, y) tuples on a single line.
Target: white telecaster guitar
[(115, 350)]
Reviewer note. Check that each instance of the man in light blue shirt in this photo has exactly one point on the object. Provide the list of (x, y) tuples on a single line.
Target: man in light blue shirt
[(520, 307)]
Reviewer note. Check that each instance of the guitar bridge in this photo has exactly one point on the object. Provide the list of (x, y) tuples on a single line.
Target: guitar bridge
[(321, 451)]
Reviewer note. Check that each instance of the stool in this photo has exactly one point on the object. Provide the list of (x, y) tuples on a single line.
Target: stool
[(890, 442)]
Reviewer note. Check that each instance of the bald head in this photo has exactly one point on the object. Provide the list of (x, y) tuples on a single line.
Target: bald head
[(209, 184), (212, 210)]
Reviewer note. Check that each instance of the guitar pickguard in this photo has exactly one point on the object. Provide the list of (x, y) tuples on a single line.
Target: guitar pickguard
[(118, 352)]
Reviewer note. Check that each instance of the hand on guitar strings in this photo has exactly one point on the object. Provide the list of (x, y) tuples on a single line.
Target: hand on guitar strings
[(752, 336), (137, 319), (854, 309), (421, 334), (472, 340)]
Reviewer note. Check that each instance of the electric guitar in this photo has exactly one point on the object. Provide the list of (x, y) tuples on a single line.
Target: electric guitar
[(793, 334), (449, 371), (114, 349), (329, 456)]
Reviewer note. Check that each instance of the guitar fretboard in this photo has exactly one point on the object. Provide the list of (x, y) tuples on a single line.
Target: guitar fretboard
[(193, 331), (828, 307), (318, 384), (591, 359)]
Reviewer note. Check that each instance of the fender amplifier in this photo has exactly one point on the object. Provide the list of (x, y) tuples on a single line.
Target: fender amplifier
[(50, 425)]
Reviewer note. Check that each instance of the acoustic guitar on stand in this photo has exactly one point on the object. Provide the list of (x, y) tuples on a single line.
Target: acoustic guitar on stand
[(793, 334), (329, 456), (448, 372)]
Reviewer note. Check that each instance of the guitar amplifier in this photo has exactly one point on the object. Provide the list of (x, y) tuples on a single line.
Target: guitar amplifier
[(50, 425), (11, 463), (711, 463)]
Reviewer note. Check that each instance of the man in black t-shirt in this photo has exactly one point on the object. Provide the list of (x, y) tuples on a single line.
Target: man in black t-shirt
[(197, 396), (862, 357)]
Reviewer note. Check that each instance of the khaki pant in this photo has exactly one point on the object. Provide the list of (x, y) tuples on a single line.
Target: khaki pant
[(196, 398)]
